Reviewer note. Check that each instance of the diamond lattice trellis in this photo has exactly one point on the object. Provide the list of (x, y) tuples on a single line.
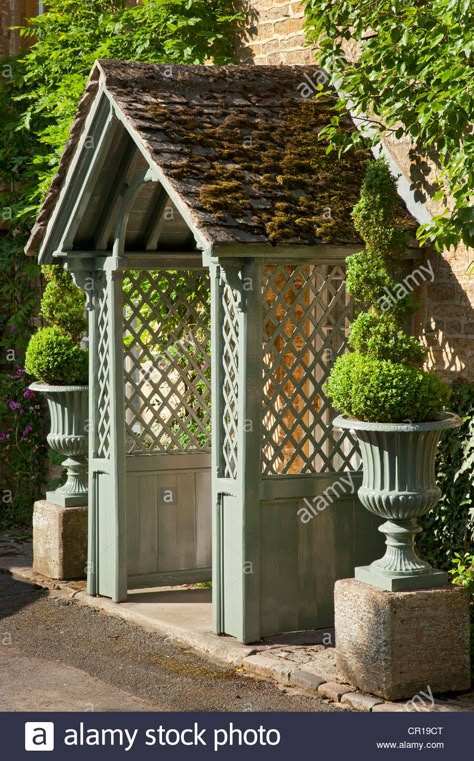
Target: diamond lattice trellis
[(305, 320), (167, 361), (103, 382), (230, 363)]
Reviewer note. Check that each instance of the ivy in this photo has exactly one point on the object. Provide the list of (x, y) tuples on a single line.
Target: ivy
[(39, 92), (412, 75), (448, 528)]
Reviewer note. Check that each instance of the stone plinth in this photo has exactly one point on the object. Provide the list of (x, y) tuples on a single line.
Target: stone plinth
[(396, 644), (59, 540)]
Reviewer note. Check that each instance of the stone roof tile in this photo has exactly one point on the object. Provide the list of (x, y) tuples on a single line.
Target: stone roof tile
[(239, 144)]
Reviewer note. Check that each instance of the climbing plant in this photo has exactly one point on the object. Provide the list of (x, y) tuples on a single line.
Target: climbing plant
[(406, 68), (449, 527), (39, 92)]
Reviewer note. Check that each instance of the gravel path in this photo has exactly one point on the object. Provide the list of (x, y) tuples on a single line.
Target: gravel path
[(58, 655)]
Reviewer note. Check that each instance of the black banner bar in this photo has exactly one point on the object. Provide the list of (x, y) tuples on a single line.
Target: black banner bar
[(217, 736)]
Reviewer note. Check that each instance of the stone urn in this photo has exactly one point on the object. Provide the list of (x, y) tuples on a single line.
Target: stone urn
[(69, 411), (399, 485)]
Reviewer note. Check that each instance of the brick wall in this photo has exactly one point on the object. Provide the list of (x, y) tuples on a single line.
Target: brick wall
[(277, 35), (446, 318)]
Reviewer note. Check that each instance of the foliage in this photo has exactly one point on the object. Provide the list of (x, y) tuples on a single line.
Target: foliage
[(63, 304), (19, 275), (463, 571), (53, 354), (22, 448), (39, 91), (412, 75), (54, 357), (72, 34), (463, 576), (382, 380), (448, 528), (384, 391)]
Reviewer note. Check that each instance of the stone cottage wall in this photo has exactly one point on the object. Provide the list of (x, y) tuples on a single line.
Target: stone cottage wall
[(277, 35), (446, 318)]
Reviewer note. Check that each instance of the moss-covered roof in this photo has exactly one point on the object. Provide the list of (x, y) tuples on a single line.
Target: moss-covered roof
[(240, 146)]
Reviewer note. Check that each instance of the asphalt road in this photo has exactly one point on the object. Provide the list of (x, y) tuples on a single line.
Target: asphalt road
[(57, 655)]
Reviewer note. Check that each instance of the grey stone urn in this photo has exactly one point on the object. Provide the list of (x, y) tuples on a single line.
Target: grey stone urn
[(69, 411), (399, 485)]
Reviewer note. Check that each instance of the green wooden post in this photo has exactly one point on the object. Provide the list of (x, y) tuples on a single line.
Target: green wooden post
[(236, 501), (216, 452), (249, 445), (92, 585), (118, 583)]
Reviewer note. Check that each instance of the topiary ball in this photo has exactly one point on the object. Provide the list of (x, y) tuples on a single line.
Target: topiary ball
[(382, 391), (53, 357)]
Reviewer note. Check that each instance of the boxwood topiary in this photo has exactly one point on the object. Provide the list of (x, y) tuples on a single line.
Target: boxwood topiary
[(53, 357), (63, 303), (382, 379)]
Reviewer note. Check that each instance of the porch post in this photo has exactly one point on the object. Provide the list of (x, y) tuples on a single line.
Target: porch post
[(249, 444), (118, 531), (237, 400)]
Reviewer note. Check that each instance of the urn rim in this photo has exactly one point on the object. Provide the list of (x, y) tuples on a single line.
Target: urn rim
[(49, 389), (442, 421)]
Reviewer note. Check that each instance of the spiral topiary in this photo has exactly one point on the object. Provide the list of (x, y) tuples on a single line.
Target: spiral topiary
[(63, 304), (54, 358), (382, 379), (54, 355)]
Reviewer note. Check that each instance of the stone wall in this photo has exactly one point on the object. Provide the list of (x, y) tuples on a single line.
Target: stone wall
[(446, 317), (277, 34)]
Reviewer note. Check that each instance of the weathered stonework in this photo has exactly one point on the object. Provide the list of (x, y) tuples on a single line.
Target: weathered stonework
[(59, 540), (276, 35), (397, 644)]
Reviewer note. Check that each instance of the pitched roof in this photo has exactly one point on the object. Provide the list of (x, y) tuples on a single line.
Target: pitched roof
[(238, 144)]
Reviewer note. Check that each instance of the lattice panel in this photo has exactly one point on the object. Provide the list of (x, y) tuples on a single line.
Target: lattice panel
[(305, 320), (230, 362), (167, 361), (103, 381)]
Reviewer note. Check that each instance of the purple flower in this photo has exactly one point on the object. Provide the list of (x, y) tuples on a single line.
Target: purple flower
[(14, 405), (26, 432), (20, 371), (29, 394), (2, 436)]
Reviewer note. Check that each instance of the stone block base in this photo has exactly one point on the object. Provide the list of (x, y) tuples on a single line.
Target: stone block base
[(59, 540), (396, 644)]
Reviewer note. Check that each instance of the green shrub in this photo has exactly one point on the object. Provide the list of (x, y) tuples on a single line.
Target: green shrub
[(53, 357), (463, 576), (63, 303), (384, 391), (381, 338), (448, 528), (383, 379), (463, 571)]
